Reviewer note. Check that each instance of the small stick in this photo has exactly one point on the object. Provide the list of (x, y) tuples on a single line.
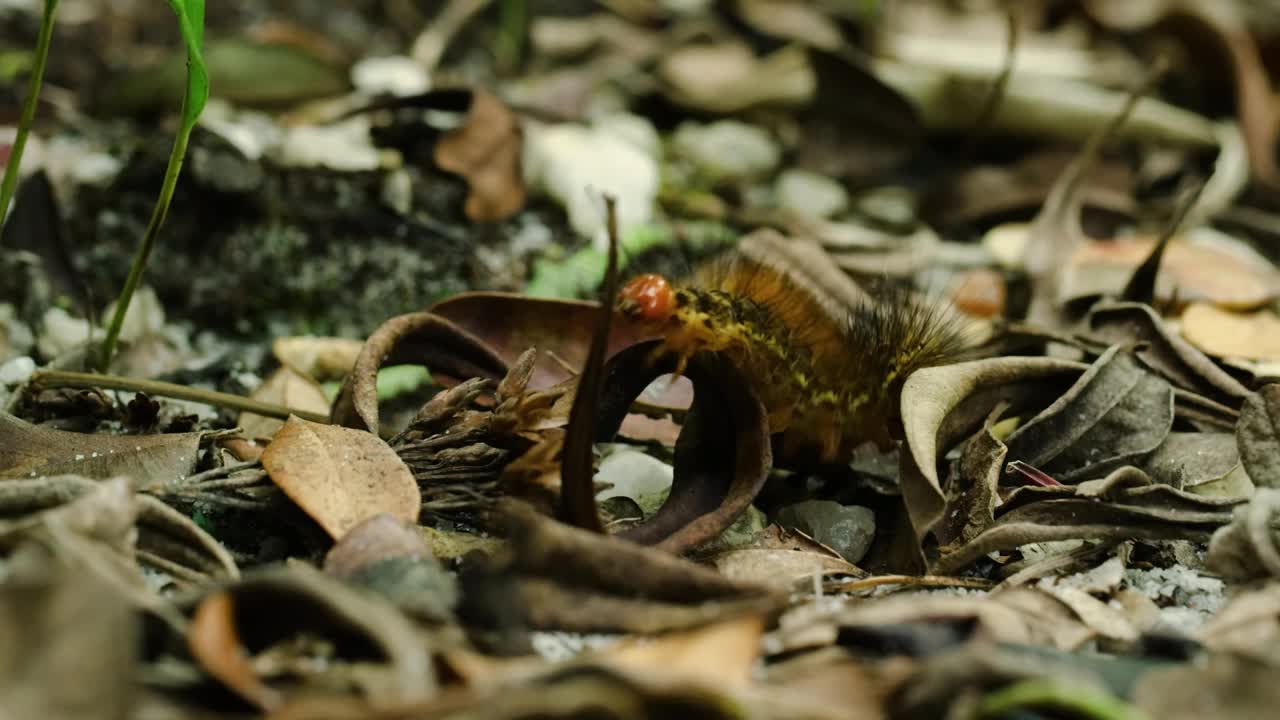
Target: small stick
[(65, 378)]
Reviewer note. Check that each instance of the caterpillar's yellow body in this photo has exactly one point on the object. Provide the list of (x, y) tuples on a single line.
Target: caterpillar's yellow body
[(829, 380)]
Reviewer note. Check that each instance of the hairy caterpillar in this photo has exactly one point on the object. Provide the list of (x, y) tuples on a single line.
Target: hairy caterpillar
[(829, 378)]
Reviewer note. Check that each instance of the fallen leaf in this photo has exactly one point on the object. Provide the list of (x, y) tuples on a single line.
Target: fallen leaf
[(485, 150), (288, 388), (340, 476), (727, 77), (1249, 547), (28, 450), (215, 645), (1208, 267), (1258, 436), (1228, 334), (942, 405), (319, 358), (71, 640), (1115, 414), (420, 338), (723, 654)]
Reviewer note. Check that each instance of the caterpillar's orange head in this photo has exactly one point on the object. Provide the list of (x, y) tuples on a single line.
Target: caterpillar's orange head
[(647, 298)]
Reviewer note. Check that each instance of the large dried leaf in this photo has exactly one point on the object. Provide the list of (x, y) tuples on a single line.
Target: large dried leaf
[(340, 476), (29, 450), (1204, 463), (944, 404), (485, 150), (1249, 548), (1115, 414), (1166, 352), (1258, 436), (70, 640)]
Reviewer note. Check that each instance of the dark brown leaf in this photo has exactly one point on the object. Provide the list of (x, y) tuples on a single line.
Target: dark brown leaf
[(485, 150), (1258, 436)]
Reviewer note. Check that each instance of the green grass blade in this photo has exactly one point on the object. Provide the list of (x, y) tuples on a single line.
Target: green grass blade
[(191, 24), (28, 117)]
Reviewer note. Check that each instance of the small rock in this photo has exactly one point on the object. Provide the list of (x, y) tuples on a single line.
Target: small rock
[(847, 529), (344, 146), (811, 194), (15, 337), (17, 370), (575, 163), (633, 474), (145, 316), (60, 333), (394, 74), (727, 149)]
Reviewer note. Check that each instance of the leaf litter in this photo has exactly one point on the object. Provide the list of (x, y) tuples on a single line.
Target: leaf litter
[(1070, 513)]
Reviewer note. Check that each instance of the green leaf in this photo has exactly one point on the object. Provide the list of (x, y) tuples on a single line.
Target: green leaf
[(191, 24)]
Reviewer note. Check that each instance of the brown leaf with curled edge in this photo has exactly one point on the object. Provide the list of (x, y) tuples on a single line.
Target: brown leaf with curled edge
[(301, 615), (722, 654), (215, 645), (782, 558), (421, 338), (1168, 353), (485, 150), (1115, 414), (723, 454), (1258, 436), (511, 323), (942, 405), (340, 476), (1204, 463), (28, 450)]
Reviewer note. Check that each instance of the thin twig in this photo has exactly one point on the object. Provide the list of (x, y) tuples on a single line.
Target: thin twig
[(851, 586), (64, 378)]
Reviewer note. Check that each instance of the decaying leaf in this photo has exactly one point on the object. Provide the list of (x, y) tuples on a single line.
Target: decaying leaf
[(1115, 414), (485, 150), (28, 450), (726, 77), (944, 404), (282, 621), (1227, 334), (1249, 548), (340, 476), (1258, 436), (421, 338), (321, 358), (1166, 352), (71, 639), (285, 387)]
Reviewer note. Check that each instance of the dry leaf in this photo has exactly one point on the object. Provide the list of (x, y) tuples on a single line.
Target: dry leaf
[(288, 388), (1226, 334), (727, 77), (1258, 436), (339, 476), (722, 654), (1215, 269), (215, 644), (485, 150), (28, 450), (321, 358)]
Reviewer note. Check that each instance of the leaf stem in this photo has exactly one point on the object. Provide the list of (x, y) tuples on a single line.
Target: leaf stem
[(28, 108), (158, 215), (64, 378)]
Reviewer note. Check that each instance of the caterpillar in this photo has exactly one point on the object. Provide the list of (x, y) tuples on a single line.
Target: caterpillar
[(829, 377)]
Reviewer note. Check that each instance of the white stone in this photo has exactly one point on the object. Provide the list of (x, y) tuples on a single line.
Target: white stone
[(575, 164), (17, 370), (727, 149), (810, 194), (633, 474), (343, 146), (60, 332), (145, 315), (394, 74)]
